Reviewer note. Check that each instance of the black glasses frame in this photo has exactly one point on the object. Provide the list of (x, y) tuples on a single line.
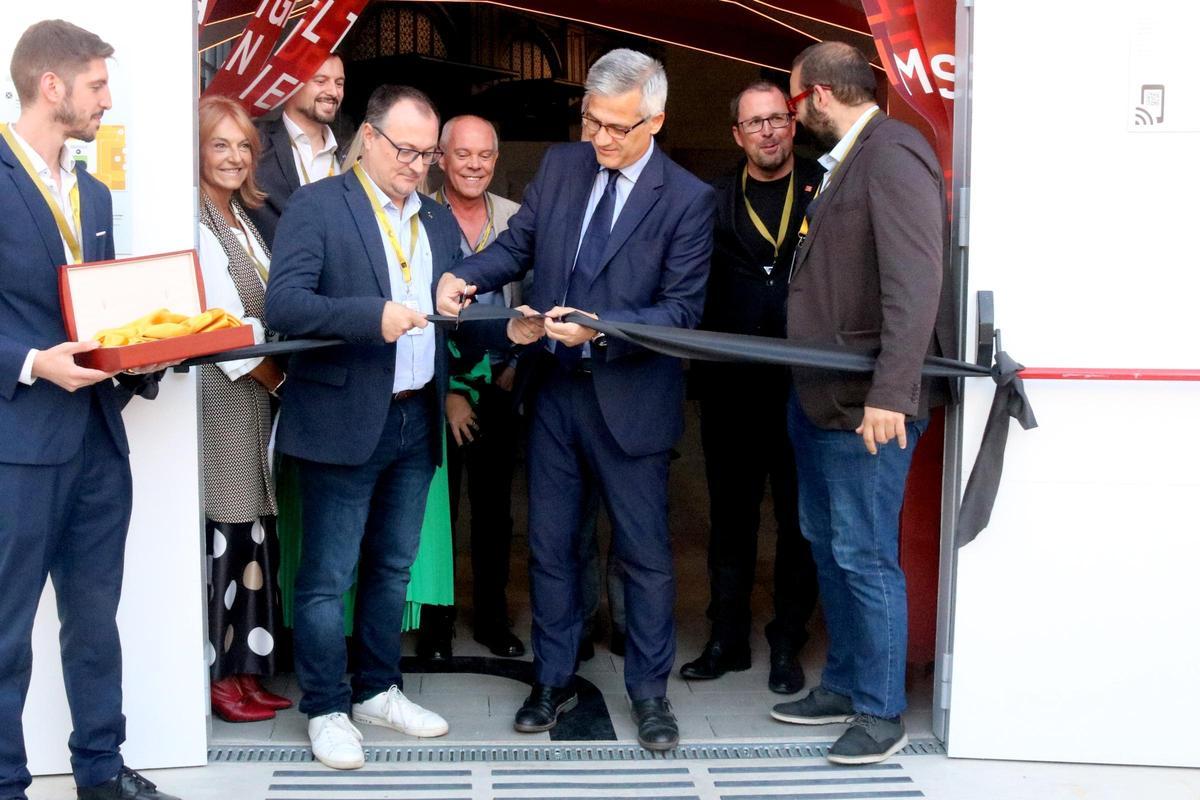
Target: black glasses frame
[(618, 132), (407, 155)]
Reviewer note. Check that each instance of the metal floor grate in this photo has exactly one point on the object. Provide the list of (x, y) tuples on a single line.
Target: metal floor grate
[(502, 753)]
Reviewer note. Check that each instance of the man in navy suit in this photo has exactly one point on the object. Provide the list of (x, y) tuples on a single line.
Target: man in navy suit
[(615, 229), (356, 258), (65, 484), (298, 147)]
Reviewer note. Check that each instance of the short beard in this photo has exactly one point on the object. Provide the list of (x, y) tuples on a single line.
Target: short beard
[(770, 165), (76, 125), (821, 127), (312, 113)]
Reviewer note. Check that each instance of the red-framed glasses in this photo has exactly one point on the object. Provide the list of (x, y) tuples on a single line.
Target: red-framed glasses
[(793, 104)]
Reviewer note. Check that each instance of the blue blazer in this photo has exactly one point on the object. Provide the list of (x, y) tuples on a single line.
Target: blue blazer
[(44, 424), (654, 271), (329, 280)]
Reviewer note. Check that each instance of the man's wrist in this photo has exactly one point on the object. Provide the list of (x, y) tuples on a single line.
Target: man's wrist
[(275, 392)]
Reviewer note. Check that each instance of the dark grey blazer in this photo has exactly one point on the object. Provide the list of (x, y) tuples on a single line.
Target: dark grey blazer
[(870, 275)]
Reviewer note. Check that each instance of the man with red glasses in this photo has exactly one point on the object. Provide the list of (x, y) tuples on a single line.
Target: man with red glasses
[(867, 275)]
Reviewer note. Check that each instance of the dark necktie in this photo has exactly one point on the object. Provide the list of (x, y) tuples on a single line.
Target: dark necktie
[(589, 260)]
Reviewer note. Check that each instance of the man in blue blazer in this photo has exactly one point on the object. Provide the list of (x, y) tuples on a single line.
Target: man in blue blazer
[(65, 484), (615, 229), (356, 258)]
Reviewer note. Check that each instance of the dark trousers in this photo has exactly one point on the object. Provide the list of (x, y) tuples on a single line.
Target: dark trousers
[(68, 521), (745, 442), (374, 510), (571, 451), (489, 462)]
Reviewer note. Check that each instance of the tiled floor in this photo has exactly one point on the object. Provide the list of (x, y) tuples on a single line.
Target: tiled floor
[(479, 708)]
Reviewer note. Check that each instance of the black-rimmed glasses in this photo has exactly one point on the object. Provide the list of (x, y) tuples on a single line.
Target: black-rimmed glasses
[(407, 155), (592, 126), (755, 124)]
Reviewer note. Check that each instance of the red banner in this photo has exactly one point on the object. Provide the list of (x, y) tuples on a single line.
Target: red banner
[(261, 81), (915, 39)]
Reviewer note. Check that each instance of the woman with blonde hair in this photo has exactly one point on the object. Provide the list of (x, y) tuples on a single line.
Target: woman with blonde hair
[(236, 414)]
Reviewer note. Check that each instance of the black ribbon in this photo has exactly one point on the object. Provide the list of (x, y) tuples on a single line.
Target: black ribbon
[(979, 497)]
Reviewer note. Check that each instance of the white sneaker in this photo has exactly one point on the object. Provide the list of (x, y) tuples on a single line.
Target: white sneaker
[(392, 709), (335, 742)]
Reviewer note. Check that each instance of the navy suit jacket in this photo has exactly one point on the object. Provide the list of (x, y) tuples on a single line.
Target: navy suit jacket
[(654, 271), (329, 280), (44, 424), (277, 175)]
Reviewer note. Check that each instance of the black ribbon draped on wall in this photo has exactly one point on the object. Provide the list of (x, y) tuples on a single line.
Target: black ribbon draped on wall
[(1009, 402)]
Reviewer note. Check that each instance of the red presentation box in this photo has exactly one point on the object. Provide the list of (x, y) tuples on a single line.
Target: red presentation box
[(107, 294)]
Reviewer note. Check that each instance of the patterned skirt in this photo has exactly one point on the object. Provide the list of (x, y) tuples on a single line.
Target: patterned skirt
[(243, 597)]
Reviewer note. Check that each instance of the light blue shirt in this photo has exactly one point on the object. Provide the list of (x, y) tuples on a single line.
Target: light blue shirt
[(414, 351)]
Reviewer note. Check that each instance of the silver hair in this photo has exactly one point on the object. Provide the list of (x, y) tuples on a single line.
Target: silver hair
[(448, 129), (620, 71)]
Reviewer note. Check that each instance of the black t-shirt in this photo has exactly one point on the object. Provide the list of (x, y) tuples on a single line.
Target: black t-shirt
[(767, 198)]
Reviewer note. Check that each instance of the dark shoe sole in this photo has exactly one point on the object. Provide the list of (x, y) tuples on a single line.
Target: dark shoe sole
[(871, 758), (689, 675), (659, 747), (558, 712)]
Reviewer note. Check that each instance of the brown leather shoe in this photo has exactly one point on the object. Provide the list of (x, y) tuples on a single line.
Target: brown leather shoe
[(230, 703)]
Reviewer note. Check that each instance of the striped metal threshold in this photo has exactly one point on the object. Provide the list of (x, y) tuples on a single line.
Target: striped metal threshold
[(565, 752)]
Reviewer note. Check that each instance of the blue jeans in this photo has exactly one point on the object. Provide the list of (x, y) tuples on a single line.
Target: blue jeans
[(850, 512), (375, 509)]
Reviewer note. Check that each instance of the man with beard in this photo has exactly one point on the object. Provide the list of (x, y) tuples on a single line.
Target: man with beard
[(65, 483), (867, 275), (743, 407), (299, 147)]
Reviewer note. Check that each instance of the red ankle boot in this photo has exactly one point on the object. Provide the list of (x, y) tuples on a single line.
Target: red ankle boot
[(230, 703), (253, 689)]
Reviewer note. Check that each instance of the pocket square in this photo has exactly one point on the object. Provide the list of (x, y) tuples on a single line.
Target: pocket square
[(101, 233)]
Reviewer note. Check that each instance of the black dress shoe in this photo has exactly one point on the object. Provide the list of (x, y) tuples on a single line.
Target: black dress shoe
[(616, 644), (787, 676), (500, 641), (433, 643), (127, 785), (715, 661), (542, 707), (657, 728)]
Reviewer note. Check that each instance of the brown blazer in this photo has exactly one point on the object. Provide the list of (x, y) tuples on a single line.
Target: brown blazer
[(870, 276)]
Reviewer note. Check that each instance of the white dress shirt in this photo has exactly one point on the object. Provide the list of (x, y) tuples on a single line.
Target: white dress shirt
[(61, 192), (837, 155), (414, 351), (317, 164), (221, 292), (625, 184)]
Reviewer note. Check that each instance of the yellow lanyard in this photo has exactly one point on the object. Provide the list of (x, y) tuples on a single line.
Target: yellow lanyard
[(777, 241), (260, 267), (64, 227), (487, 230), (414, 231), (300, 161), (836, 167)]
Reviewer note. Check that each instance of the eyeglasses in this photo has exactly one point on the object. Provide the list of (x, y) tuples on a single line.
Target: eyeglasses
[(406, 155), (755, 124), (592, 126), (794, 103)]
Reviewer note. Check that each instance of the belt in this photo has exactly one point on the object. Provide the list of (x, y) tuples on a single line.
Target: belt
[(408, 394)]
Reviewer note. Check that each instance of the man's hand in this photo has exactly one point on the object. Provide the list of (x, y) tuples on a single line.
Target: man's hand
[(880, 426), (399, 319), (461, 418), (506, 379), (569, 333), (453, 294), (527, 329), (57, 365)]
